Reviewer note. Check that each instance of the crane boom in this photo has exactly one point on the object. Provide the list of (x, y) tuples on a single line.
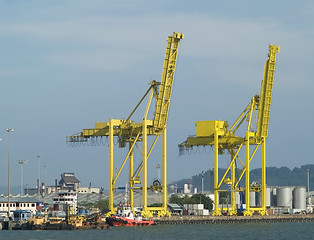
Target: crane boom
[(164, 95), (217, 134), (266, 92), (129, 132)]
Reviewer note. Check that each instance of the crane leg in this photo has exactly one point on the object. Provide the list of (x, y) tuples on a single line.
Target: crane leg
[(217, 210)]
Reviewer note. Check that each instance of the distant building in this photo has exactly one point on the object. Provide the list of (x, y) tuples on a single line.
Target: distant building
[(26, 203), (175, 209), (67, 183), (66, 201)]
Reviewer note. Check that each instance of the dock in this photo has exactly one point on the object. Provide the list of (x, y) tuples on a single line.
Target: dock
[(232, 219)]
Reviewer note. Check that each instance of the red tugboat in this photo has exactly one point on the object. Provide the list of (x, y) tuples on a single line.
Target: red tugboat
[(125, 217)]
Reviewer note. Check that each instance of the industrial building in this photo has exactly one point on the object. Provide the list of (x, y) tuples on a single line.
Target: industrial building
[(66, 202), (18, 203), (68, 182)]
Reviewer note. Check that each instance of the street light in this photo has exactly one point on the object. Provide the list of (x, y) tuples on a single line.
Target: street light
[(158, 170), (9, 130), (38, 169), (45, 176), (45, 171), (202, 181), (22, 162)]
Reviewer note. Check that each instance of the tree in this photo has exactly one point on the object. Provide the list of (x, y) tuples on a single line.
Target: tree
[(224, 197), (156, 205), (103, 205)]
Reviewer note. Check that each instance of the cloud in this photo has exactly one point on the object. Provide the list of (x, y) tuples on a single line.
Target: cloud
[(232, 50)]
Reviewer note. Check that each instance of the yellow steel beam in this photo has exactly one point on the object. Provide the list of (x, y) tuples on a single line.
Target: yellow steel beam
[(239, 120), (166, 83), (217, 211), (125, 159), (227, 170), (153, 85), (266, 92), (128, 131), (164, 171), (140, 167), (131, 179), (244, 169)]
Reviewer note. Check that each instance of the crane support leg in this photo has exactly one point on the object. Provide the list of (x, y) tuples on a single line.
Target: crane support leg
[(145, 212), (144, 176), (263, 212), (131, 178), (217, 210), (111, 207), (165, 211), (247, 212), (233, 207)]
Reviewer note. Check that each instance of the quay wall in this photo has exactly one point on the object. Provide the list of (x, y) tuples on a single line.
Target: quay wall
[(231, 219)]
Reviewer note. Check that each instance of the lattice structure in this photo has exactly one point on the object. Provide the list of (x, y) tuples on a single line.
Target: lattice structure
[(217, 134), (131, 133)]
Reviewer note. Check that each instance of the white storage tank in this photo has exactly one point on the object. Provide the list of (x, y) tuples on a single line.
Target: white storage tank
[(237, 198), (299, 198), (273, 196), (252, 199), (259, 198), (186, 188), (268, 196), (284, 197)]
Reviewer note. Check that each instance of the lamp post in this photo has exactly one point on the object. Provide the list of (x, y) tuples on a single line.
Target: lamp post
[(158, 170), (45, 179), (38, 170), (22, 162), (202, 181), (9, 130)]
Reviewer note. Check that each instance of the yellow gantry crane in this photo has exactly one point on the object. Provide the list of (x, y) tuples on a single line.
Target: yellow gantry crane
[(131, 133), (217, 134)]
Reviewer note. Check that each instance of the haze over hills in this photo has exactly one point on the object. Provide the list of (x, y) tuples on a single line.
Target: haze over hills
[(13, 189), (282, 176)]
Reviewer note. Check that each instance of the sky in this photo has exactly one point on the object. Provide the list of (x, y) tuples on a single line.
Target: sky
[(66, 64)]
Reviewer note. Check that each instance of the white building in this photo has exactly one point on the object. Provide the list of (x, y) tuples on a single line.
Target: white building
[(66, 201), (18, 203), (67, 183)]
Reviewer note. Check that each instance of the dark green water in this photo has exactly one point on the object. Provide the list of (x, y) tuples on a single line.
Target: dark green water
[(253, 231)]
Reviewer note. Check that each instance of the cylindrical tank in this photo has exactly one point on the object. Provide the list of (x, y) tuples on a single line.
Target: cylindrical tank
[(259, 198), (299, 198), (273, 196), (186, 188), (284, 197), (268, 196), (237, 198), (252, 199)]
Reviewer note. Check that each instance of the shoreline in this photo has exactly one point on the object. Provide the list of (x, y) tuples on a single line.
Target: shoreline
[(231, 219)]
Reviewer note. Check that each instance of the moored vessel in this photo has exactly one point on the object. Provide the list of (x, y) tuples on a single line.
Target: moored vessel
[(125, 217)]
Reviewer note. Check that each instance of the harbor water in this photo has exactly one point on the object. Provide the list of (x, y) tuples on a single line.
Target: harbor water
[(256, 231)]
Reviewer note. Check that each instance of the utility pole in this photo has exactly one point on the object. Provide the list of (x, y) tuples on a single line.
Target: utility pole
[(202, 181), (38, 172), (45, 171), (308, 182), (158, 171), (9, 130), (22, 162)]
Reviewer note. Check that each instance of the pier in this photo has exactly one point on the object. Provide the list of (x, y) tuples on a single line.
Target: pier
[(231, 219)]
